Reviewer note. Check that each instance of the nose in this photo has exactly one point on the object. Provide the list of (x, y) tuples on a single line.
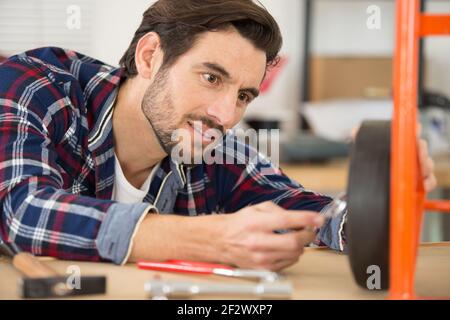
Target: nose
[(223, 110)]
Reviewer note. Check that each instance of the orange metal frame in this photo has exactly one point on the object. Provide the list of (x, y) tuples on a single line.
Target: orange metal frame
[(407, 191)]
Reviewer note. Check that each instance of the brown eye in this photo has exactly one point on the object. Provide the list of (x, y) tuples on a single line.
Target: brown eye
[(211, 78), (244, 98)]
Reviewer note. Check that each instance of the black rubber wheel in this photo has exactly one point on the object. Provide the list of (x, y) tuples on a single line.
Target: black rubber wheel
[(367, 227)]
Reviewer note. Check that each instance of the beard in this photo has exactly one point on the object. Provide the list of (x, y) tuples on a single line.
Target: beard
[(158, 108)]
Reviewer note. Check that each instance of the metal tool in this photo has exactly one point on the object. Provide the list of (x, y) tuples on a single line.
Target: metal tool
[(209, 268), (163, 289), (41, 281), (336, 207)]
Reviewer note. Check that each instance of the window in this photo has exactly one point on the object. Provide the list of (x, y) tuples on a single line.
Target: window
[(26, 25)]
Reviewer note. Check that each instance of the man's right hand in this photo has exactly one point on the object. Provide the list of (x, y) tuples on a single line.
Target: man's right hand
[(249, 240), (244, 239)]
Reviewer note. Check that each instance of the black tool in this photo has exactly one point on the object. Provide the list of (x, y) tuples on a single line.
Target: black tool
[(58, 287)]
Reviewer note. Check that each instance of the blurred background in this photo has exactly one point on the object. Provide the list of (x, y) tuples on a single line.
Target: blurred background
[(336, 71)]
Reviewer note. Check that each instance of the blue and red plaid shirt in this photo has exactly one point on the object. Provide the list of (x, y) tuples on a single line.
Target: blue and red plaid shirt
[(57, 166)]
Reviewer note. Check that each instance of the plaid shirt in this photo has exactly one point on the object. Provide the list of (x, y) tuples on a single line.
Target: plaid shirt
[(57, 166)]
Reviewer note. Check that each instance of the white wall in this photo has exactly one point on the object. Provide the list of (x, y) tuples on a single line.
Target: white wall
[(114, 24), (437, 53), (340, 29), (283, 99), (26, 25)]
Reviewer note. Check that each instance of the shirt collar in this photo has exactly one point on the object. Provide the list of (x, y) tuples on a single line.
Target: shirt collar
[(101, 102)]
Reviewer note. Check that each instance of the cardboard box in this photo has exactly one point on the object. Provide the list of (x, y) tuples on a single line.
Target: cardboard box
[(334, 77)]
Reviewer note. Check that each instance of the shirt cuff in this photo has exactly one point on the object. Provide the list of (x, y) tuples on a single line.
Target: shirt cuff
[(118, 229), (332, 233)]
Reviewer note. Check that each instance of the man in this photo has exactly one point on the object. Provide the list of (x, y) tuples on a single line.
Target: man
[(86, 149)]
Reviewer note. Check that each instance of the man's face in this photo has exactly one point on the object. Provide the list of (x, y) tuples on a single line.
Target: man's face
[(209, 87)]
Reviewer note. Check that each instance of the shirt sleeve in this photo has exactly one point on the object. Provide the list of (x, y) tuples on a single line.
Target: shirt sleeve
[(259, 180), (117, 230), (37, 213)]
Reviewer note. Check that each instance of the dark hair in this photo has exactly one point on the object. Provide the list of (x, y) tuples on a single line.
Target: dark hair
[(179, 22)]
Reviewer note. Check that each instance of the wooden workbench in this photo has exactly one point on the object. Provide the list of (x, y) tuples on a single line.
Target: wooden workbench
[(332, 176), (320, 274)]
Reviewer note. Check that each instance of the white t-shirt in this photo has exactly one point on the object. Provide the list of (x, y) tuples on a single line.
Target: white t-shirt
[(125, 192)]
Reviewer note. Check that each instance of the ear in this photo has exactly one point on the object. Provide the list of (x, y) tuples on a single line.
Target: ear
[(148, 55)]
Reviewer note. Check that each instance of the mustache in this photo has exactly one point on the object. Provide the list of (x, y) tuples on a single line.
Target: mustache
[(207, 121)]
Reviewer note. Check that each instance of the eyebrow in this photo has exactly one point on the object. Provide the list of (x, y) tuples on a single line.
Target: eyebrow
[(218, 68)]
